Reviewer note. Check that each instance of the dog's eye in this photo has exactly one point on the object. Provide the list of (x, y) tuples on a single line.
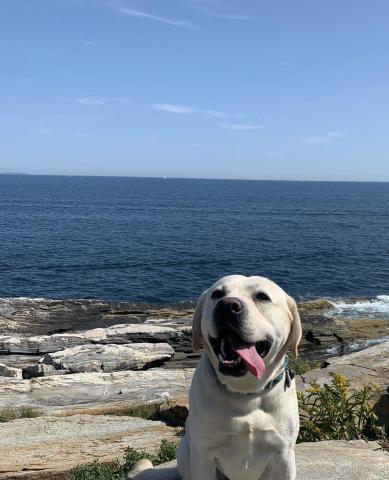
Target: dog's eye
[(262, 297), (217, 294)]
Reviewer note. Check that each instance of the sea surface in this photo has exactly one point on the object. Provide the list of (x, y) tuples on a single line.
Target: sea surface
[(157, 240)]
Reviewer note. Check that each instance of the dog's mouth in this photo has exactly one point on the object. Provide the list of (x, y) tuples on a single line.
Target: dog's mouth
[(237, 357)]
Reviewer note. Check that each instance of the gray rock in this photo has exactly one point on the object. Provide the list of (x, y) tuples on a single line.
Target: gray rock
[(41, 344), (341, 460), (10, 372), (107, 358), (47, 447), (41, 370), (116, 334), (45, 317), (141, 333), (335, 460), (366, 366), (88, 390)]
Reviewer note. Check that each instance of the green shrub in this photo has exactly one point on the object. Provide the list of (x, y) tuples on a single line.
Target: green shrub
[(96, 471), (300, 366), (99, 471), (132, 456), (332, 412), (167, 452), (13, 413)]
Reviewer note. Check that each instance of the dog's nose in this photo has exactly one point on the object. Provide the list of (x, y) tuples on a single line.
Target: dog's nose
[(229, 306)]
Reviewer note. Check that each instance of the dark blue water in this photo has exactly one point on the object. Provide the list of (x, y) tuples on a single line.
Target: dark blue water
[(162, 241)]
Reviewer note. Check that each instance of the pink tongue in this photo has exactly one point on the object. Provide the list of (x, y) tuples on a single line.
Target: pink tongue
[(251, 358)]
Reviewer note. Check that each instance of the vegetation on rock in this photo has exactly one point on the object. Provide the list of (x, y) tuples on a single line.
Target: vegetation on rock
[(332, 412), (99, 471), (13, 413)]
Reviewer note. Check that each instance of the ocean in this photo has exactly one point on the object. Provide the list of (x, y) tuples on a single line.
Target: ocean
[(165, 240)]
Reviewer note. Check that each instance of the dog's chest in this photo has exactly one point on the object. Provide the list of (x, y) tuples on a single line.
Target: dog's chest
[(249, 448)]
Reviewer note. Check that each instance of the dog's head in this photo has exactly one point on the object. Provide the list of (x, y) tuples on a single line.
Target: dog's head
[(246, 325)]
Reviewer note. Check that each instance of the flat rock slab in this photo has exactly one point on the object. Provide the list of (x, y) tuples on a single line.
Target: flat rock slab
[(367, 366), (341, 460), (96, 389), (116, 334), (41, 344), (45, 447), (142, 333), (108, 358), (336, 460), (40, 316)]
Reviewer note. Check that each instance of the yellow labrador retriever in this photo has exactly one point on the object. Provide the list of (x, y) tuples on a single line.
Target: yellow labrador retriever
[(243, 415)]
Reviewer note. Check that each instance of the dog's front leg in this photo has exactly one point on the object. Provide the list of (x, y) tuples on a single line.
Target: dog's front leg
[(282, 469), (202, 465)]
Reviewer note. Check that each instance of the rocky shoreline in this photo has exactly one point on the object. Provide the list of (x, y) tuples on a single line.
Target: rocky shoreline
[(77, 360)]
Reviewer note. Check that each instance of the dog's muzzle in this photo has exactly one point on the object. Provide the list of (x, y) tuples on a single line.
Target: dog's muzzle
[(236, 355)]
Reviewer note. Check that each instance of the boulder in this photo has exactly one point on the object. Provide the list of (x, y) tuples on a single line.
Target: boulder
[(6, 371), (88, 390), (108, 358), (315, 305), (41, 344), (48, 447), (41, 370), (140, 333)]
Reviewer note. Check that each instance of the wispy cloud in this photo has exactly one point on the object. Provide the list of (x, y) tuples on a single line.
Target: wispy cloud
[(183, 109), (239, 126), (237, 17), (157, 18), (325, 138), (210, 9), (100, 101)]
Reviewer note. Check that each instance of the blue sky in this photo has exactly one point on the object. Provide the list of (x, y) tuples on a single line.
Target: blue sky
[(292, 89)]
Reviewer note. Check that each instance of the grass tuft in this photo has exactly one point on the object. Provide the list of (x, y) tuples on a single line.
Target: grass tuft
[(7, 414), (300, 366)]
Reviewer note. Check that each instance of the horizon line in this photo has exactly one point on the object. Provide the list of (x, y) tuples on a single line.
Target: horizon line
[(22, 174)]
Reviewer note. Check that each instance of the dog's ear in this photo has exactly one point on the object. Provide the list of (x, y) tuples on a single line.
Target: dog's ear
[(296, 330), (196, 325)]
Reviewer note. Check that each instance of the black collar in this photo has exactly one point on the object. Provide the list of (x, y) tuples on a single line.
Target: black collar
[(289, 375)]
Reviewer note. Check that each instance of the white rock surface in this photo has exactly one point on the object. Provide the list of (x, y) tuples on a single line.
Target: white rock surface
[(47, 447), (41, 344), (118, 334), (96, 389), (108, 358)]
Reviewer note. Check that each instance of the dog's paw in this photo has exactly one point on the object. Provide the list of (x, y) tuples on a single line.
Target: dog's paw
[(140, 467)]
